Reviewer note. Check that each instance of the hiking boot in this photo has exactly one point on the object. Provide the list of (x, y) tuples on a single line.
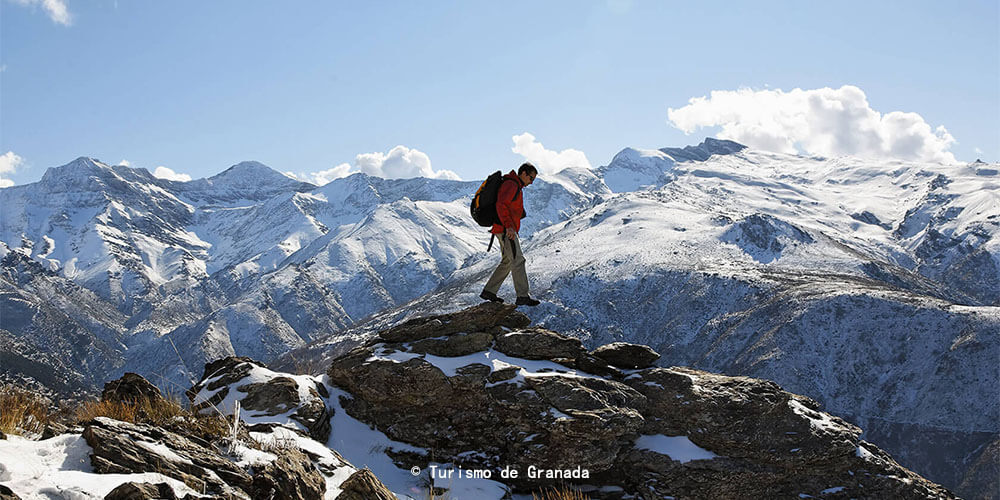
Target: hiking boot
[(527, 301), (490, 296)]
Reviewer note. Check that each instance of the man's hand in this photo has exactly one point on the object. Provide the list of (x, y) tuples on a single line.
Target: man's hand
[(510, 233)]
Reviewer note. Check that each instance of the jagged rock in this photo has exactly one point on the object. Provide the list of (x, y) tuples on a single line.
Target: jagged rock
[(458, 344), (592, 364), (220, 374), (291, 477), (130, 388), (750, 439), (7, 494), (123, 448), (515, 320), (473, 319), (626, 355), (276, 396), (280, 395), (539, 344), (363, 485), (53, 429), (142, 491)]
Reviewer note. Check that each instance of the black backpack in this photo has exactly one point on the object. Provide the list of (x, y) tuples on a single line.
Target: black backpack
[(484, 203)]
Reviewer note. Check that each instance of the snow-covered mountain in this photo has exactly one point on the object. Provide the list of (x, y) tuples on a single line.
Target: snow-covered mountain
[(871, 286), (250, 261)]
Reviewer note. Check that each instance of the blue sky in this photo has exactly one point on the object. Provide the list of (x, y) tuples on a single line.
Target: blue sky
[(451, 88)]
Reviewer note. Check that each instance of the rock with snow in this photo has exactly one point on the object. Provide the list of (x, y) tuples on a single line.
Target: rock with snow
[(626, 355), (7, 494), (665, 432), (459, 344), (539, 344), (479, 318), (144, 491), (291, 477), (266, 397), (123, 448)]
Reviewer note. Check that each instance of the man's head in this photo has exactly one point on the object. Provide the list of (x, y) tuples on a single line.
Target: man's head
[(527, 173)]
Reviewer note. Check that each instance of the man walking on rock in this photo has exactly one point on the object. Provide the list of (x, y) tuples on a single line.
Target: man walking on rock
[(510, 211)]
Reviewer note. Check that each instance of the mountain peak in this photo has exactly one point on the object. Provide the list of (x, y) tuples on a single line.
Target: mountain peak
[(246, 174), (705, 150), (78, 172), (252, 169), (247, 180)]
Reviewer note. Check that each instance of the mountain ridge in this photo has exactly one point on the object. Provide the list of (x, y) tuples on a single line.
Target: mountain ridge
[(691, 261)]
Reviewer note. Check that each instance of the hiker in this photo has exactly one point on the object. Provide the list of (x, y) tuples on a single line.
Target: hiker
[(510, 211)]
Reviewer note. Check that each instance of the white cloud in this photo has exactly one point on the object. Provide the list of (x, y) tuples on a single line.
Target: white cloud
[(127, 163), (9, 162), (827, 122), (400, 162), (56, 9), (547, 162), (325, 176), (168, 174), (978, 151)]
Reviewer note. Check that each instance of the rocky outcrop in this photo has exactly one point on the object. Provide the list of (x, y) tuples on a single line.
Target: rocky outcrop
[(626, 355), (526, 403), (291, 476), (474, 319), (7, 494), (278, 395), (124, 448), (131, 388), (363, 485), (144, 491), (538, 343)]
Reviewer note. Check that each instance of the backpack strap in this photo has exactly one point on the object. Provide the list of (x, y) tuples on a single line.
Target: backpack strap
[(519, 186)]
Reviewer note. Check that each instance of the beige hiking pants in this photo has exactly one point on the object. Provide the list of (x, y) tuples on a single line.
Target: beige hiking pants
[(509, 264)]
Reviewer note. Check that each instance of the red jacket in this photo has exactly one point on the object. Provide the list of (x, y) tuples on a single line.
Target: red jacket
[(509, 210)]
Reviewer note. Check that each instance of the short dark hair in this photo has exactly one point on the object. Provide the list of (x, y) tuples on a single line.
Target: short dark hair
[(527, 167)]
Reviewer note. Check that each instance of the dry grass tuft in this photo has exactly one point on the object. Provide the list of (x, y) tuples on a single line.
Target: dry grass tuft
[(560, 493), (143, 411), (167, 413), (21, 411)]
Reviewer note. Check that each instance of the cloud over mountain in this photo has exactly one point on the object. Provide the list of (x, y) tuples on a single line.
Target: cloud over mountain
[(547, 161), (400, 162), (8, 163), (168, 174), (826, 121)]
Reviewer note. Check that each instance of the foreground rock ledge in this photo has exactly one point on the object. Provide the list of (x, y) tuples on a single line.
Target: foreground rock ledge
[(567, 409)]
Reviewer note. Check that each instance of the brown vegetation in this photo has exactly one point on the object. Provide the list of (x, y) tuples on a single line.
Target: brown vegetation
[(167, 413), (21, 411), (560, 493)]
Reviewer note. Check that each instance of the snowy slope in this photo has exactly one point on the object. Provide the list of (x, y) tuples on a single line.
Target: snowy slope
[(250, 261)]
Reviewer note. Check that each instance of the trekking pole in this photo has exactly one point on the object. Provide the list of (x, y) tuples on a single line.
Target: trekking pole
[(513, 249)]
